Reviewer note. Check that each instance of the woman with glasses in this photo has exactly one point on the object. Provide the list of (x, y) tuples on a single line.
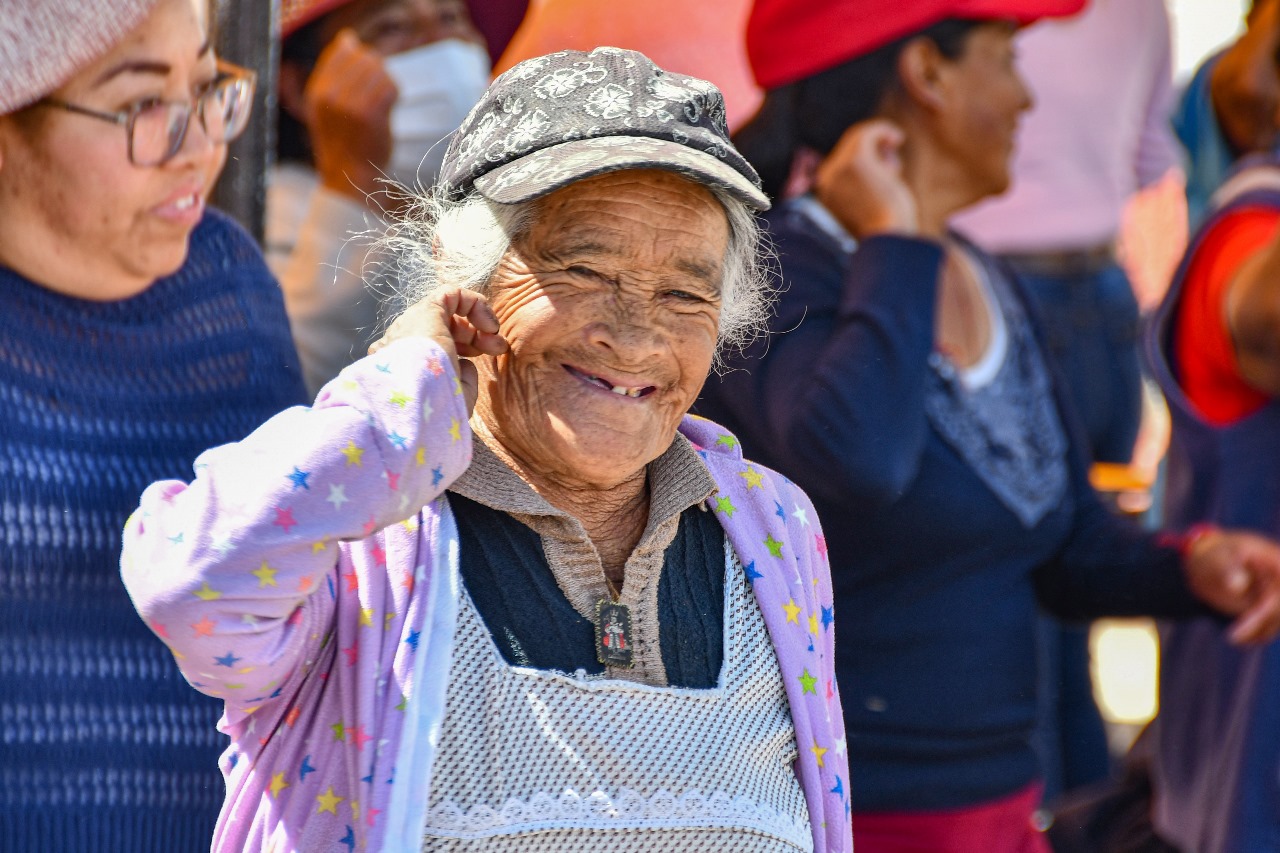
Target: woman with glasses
[(136, 329)]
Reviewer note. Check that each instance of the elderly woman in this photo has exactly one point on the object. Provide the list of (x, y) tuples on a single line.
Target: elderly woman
[(929, 423), (573, 617), (136, 329)]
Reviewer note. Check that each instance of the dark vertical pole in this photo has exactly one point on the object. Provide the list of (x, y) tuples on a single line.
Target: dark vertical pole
[(246, 35)]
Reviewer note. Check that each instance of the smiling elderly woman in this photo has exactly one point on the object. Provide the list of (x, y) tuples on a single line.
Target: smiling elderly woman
[(575, 618)]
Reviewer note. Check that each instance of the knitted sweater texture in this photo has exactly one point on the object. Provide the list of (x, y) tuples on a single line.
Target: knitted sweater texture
[(102, 745)]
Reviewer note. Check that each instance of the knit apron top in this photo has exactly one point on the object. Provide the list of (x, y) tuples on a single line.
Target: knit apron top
[(535, 760)]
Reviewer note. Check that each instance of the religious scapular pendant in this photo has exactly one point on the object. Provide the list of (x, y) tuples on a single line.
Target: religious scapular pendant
[(613, 633)]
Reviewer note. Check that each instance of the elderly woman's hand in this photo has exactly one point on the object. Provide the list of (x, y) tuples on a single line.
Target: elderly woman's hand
[(1238, 574), (461, 322), (861, 181)]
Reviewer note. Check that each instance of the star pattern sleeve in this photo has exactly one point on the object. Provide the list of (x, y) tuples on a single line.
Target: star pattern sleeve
[(237, 571)]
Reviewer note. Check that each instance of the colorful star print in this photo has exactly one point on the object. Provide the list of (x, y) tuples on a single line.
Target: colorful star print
[(818, 752), (328, 802), (808, 683), (793, 611), (354, 454), (284, 519), (299, 479), (277, 784), (265, 574)]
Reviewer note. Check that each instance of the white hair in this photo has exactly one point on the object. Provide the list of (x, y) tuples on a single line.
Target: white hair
[(439, 242)]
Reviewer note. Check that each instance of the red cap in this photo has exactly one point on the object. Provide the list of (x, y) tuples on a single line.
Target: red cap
[(789, 40), (297, 13)]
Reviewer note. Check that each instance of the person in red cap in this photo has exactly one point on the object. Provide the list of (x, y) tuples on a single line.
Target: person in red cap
[(907, 389)]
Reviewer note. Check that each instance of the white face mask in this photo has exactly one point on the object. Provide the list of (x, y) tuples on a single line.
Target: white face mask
[(439, 83)]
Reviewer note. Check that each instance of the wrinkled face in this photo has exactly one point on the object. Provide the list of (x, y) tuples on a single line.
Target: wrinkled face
[(75, 214), (395, 26), (611, 305), (986, 97)]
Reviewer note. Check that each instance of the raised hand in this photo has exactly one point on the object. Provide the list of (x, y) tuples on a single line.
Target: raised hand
[(861, 181), (461, 322)]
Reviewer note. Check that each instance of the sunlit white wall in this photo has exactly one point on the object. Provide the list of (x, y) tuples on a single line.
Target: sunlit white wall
[(1200, 27)]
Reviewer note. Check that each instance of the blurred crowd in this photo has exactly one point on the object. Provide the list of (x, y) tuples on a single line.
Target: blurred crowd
[(937, 342)]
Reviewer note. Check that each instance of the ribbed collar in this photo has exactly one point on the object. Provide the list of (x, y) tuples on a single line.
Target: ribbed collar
[(678, 479)]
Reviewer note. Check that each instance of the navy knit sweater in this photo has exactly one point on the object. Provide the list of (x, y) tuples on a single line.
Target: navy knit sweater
[(103, 747), (936, 580)]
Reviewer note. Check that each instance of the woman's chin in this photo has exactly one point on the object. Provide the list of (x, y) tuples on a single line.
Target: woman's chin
[(599, 455)]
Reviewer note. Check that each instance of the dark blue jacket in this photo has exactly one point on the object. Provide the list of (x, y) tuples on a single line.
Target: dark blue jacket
[(1216, 754), (936, 581)]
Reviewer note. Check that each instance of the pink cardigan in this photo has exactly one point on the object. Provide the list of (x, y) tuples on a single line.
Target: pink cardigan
[(308, 577)]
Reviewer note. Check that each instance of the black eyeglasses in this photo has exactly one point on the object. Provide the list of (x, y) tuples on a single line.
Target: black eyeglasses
[(157, 129)]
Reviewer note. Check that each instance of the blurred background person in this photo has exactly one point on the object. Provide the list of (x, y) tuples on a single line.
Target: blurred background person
[(369, 90), (1093, 138), (1215, 745), (906, 388), (136, 328), (709, 43), (1229, 108)]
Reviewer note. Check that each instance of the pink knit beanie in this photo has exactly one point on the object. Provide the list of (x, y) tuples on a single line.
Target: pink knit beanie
[(44, 42)]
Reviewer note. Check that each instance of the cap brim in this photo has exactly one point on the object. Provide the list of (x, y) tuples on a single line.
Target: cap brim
[(555, 167)]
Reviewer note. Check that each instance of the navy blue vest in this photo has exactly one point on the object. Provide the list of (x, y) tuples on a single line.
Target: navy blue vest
[(1216, 742)]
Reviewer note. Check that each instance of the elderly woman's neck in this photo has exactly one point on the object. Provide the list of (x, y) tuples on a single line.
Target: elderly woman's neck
[(614, 513)]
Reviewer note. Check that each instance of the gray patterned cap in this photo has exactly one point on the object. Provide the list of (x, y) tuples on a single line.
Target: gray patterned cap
[(43, 43), (556, 119)]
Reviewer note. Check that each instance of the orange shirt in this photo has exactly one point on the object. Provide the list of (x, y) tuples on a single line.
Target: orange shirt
[(1204, 355)]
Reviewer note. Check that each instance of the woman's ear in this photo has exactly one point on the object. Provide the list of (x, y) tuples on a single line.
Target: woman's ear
[(922, 73)]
